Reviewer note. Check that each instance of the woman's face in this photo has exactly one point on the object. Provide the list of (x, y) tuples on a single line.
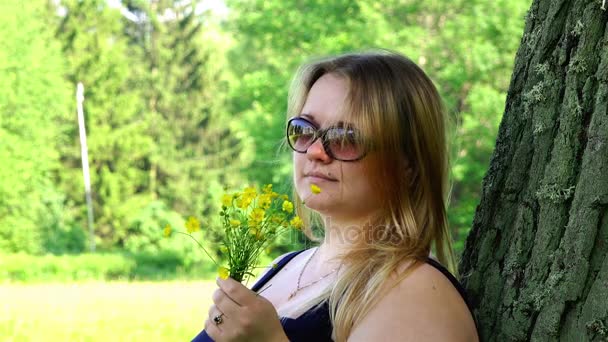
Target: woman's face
[(346, 191)]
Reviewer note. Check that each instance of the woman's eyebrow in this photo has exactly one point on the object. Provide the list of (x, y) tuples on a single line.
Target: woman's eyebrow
[(337, 124), (310, 118)]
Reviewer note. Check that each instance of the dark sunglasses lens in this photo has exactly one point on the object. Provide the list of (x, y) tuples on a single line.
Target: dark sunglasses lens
[(344, 143), (300, 135)]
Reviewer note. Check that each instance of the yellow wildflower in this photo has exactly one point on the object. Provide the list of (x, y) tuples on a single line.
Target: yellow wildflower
[(167, 230), (264, 201), (288, 207), (267, 189), (193, 224), (257, 215), (276, 219), (234, 223), (258, 234), (244, 201), (227, 200), (296, 222), (249, 191), (223, 272), (315, 189)]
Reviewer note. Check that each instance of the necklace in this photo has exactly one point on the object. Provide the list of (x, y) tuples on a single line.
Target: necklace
[(298, 287)]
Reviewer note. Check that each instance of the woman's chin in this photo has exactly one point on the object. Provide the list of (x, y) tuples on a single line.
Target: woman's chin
[(318, 204)]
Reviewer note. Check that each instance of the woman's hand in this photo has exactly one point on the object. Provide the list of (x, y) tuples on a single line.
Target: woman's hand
[(243, 315)]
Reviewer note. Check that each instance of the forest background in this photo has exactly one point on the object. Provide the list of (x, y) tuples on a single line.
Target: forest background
[(185, 98)]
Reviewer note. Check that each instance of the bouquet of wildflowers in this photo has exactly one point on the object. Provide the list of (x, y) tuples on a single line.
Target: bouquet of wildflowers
[(250, 221)]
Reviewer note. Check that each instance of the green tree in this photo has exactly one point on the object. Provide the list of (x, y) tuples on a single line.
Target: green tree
[(197, 150), (535, 262), (94, 45), (33, 98)]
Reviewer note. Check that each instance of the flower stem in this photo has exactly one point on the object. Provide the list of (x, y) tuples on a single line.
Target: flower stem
[(201, 246)]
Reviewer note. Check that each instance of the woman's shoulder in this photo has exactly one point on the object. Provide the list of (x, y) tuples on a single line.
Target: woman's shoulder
[(422, 306)]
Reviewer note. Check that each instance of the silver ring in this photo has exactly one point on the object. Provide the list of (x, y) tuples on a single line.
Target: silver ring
[(218, 319)]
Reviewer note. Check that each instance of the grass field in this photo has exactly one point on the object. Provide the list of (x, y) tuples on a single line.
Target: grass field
[(168, 311)]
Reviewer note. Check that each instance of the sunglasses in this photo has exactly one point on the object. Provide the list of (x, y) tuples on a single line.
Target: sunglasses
[(340, 143)]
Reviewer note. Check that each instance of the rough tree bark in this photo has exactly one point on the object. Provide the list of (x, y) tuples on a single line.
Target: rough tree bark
[(536, 259)]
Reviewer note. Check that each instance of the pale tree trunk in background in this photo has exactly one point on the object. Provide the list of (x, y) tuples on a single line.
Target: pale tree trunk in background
[(536, 260), (84, 152)]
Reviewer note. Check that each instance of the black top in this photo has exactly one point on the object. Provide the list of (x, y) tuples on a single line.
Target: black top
[(314, 324)]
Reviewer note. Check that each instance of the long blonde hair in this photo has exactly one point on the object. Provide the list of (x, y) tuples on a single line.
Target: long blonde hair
[(393, 102)]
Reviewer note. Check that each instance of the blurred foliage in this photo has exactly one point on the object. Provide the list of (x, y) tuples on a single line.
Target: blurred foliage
[(180, 103), (96, 51), (165, 265), (33, 96)]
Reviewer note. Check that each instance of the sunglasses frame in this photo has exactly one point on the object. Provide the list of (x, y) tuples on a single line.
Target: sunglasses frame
[(318, 133)]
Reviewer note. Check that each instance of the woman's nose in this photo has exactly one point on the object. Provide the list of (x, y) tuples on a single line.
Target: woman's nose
[(316, 151)]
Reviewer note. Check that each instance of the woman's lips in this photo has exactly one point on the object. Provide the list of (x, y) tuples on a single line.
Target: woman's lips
[(319, 179)]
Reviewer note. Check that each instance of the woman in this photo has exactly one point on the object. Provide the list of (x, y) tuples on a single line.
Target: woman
[(369, 131)]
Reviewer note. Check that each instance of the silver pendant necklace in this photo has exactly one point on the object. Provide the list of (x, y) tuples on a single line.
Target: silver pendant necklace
[(298, 287)]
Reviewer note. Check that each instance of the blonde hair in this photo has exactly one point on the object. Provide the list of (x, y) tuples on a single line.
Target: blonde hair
[(396, 106)]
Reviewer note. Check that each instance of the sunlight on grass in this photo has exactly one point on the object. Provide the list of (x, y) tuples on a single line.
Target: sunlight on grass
[(168, 311)]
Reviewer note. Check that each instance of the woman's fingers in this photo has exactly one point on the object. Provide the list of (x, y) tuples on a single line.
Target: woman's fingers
[(224, 303), (213, 330), (214, 311), (236, 291), (244, 316)]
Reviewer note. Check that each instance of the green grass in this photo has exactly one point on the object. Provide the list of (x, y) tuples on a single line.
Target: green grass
[(104, 311)]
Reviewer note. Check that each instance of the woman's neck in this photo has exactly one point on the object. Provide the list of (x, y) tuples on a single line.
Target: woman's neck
[(340, 237)]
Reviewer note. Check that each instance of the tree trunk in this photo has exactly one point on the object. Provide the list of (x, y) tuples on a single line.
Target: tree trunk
[(536, 260)]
